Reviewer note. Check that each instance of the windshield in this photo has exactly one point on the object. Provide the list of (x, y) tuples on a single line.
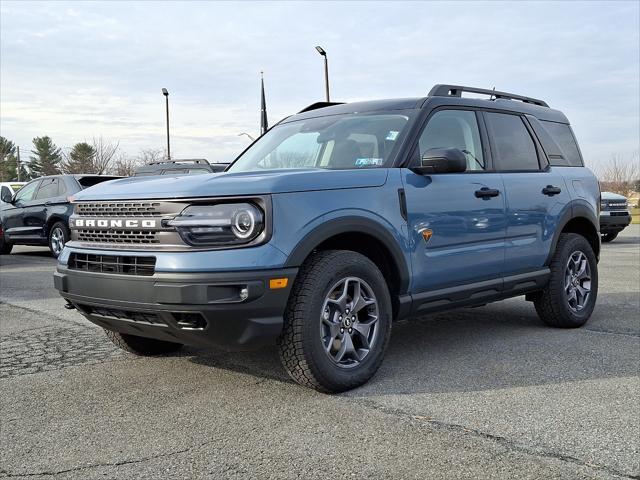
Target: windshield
[(334, 142)]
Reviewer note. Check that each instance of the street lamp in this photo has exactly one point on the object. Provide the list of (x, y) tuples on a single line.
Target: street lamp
[(165, 92), (326, 70)]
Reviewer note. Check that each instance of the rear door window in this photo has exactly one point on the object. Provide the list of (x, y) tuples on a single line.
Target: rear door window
[(48, 189), (563, 136), (512, 145)]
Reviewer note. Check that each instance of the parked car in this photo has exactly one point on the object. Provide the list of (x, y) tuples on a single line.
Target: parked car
[(180, 167), (38, 214), (9, 188), (336, 222), (614, 215)]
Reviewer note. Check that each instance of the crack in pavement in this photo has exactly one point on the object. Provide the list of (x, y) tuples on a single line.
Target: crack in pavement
[(611, 332), (7, 474), (511, 445)]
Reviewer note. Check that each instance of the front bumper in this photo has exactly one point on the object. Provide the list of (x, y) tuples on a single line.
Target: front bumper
[(200, 309), (614, 221)]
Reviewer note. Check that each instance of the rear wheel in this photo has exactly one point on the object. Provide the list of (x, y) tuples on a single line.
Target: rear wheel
[(609, 237), (141, 345), (58, 237), (570, 296), (338, 322)]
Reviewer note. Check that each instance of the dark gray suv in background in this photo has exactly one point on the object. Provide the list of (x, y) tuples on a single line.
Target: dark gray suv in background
[(38, 214)]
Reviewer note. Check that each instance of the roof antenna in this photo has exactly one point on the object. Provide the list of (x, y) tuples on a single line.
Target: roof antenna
[(493, 93)]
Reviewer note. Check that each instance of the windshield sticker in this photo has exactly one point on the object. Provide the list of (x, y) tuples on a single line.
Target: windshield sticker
[(368, 162), (392, 135)]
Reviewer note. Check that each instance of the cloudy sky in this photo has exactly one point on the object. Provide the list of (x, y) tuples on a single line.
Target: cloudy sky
[(78, 70)]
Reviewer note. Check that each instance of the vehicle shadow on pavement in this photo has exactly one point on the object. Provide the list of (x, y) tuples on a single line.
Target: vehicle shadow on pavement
[(503, 345)]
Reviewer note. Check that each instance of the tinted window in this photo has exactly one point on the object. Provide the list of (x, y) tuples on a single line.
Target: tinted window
[(26, 193), (48, 189), (86, 182), (563, 136), (454, 129), (513, 147), (5, 191)]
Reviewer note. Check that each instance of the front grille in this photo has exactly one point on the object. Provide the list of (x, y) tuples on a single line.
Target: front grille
[(126, 265), (133, 316), (126, 224), (117, 236), (119, 209), (608, 205)]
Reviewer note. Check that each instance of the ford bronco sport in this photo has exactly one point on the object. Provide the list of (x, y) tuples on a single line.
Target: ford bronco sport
[(338, 221)]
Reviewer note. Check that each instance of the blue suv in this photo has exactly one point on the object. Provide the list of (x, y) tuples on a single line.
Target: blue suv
[(337, 222)]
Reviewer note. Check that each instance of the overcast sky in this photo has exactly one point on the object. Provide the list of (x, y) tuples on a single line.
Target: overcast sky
[(75, 70)]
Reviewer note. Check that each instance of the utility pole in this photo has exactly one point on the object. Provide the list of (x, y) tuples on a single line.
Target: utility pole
[(165, 92), (18, 163)]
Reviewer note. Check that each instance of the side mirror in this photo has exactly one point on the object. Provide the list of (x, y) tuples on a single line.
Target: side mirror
[(6, 196), (441, 160)]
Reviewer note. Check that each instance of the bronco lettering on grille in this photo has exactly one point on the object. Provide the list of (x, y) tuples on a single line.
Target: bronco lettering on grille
[(115, 223)]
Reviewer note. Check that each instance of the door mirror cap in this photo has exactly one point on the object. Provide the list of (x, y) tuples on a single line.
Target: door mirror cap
[(6, 196), (442, 160)]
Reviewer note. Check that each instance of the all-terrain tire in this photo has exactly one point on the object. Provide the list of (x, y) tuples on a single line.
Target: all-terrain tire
[(552, 304), (141, 345), (609, 237), (301, 343)]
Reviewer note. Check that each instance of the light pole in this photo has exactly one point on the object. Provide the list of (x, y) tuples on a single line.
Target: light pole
[(326, 70), (165, 92)]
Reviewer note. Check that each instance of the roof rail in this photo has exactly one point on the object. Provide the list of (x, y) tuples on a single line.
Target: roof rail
[(317, 105), (456, 91), (192, 160)]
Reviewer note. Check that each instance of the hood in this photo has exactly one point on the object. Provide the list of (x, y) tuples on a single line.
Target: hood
[(612, 196), (231, 184)]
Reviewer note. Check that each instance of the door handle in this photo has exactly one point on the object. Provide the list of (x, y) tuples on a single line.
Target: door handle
[(550, 190), (485, 192)]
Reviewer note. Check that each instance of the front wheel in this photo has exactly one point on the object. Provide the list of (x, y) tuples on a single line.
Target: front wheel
[(609, 237), (5, 247), (58, 237), (337, 323), (570, 296)]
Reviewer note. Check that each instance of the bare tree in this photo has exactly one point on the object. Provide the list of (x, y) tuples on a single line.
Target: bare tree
[(150, 155), (104, 154), (620, 174), (124, 165)]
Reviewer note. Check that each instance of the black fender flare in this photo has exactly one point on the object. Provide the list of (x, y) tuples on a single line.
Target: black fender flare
[(352, 224), (577, 209)]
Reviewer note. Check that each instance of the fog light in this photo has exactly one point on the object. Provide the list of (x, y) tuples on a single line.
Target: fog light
[(244, 293)]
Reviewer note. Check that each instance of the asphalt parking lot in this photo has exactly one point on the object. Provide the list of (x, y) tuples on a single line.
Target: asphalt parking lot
[(476, 393)]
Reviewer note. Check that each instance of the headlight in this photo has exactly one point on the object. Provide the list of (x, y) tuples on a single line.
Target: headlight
[(224, 224)]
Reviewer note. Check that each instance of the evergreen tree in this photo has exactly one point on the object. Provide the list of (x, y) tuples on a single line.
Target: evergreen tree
[(46, 157), (81, 159), (8, 161)]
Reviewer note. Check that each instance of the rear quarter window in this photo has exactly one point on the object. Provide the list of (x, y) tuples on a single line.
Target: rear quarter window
[(563, 136)]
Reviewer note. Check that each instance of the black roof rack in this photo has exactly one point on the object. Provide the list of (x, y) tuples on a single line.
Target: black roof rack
[(315, 106), (456, 91)]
